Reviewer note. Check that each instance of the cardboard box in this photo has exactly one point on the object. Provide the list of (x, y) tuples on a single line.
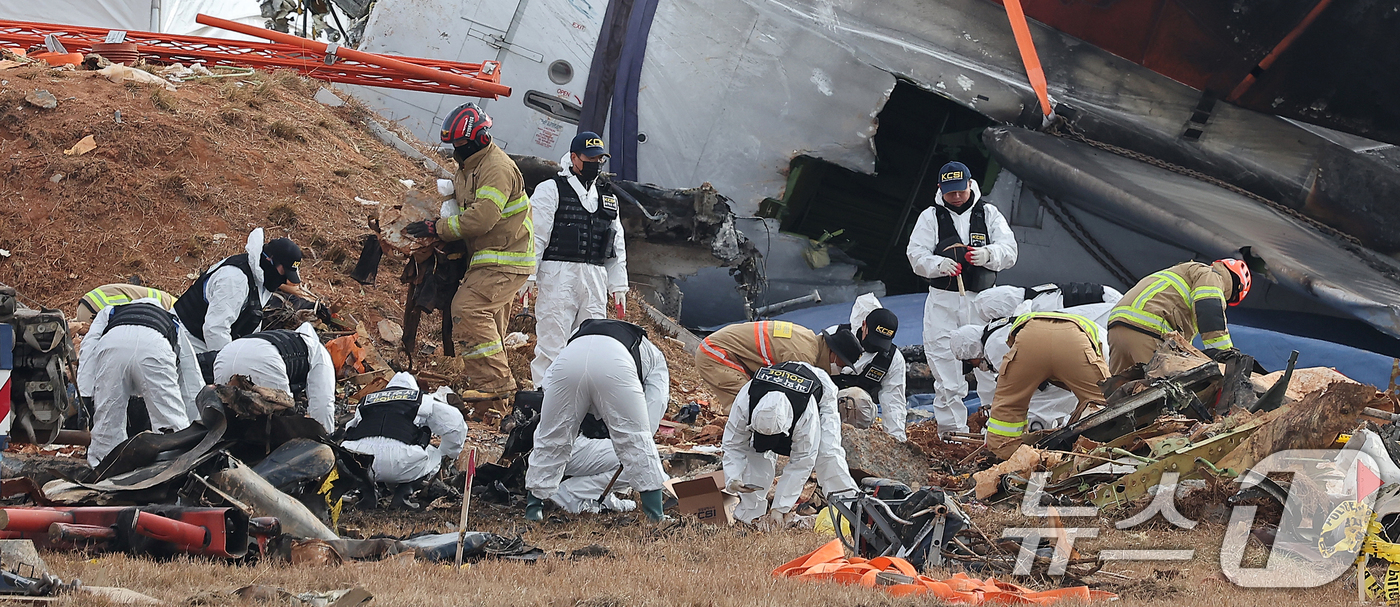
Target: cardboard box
[(702, 497)]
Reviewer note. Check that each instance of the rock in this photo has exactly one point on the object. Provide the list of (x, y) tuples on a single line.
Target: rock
[(22, 552), (390, 331), (42, 99), (871, 452)]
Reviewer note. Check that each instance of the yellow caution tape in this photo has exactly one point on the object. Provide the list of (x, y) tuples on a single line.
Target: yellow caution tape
[(1345, 529)]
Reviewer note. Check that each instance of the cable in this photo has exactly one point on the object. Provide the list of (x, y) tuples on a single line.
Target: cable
[(1092, 247)]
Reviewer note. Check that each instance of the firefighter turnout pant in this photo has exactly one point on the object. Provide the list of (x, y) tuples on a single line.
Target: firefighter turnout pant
[(1043, 350), (1128, 346), (480, 314)]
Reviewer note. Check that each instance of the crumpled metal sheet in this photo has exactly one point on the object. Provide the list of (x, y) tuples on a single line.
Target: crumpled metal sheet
[(1207, 219)]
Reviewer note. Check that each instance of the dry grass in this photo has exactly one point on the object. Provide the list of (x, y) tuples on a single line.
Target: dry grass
[(690, 565)]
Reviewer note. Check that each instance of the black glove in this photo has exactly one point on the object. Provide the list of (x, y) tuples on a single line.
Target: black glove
[(421, 229)]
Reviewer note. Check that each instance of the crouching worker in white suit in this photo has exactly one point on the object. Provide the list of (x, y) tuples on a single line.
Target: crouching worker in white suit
[(609, 369), (396, 426), (137, 349), (787, 409)]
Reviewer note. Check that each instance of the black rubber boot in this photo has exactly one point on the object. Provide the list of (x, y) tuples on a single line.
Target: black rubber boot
[(651, 505), (534, 508)]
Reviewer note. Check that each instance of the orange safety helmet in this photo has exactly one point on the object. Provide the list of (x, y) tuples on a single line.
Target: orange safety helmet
[(1240, 271)]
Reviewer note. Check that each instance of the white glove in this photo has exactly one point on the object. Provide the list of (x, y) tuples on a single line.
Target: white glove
[(979, 256), (527, 289), (619, 301), (773, 521), (947, 267), (734, 485)]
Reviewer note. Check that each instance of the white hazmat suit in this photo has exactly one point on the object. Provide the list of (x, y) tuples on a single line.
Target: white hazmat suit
[(568, 292), (893, 406), (945, 311), (596, 374), (226, 290), (1004, 301), (396, 462), (135, 361), (260, 361), (816, 447)]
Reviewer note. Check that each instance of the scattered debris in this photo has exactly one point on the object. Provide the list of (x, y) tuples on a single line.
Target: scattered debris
[(41, 99), (83, 146)]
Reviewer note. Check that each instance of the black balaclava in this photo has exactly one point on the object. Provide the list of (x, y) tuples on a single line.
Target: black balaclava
[(271, 277), (466, 150)]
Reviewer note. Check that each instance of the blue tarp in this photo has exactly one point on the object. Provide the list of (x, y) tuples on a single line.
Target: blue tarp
[(1270, 348)]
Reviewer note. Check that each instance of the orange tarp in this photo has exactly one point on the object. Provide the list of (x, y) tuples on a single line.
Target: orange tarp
[(830, 563)]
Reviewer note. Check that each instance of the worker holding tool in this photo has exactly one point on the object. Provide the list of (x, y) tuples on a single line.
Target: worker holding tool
[(959, 244), (396, 426), (136, 349), (984, 347), (879, 373), (226, 301), (102, 297), (1060, 348), (787, 409), (582, 257), (728, 358), (495, 224), (294, 362), (610, 369), (1188, 298)]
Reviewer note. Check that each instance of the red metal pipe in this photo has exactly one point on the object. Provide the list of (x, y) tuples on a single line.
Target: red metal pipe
[(183, 535), (361, 56), (32, 520)]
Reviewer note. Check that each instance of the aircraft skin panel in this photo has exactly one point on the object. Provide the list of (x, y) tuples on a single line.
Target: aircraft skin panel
[(753, 91), (1204, 218)]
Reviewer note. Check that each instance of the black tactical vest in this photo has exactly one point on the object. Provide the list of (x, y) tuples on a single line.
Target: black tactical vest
[(1071, 293), (975, 278), (192, 306), (799, 384), (992, 327), (626, 333), (390, 414), (146, 315), (580, 236), (292, 348), (869, 379)]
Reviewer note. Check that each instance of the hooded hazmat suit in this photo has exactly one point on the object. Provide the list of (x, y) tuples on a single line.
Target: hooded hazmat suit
[(946, 310), (397, 462), (816, 447), (127, 360), (263, 363), (890, 394), (226, 292), (570, 292), (597, 374)]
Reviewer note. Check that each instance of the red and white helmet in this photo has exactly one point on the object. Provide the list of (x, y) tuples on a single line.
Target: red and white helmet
[(466, 124), (1240, 271)]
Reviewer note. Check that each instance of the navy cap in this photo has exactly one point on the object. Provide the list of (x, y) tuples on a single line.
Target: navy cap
[(881, 325), (283, 252), (588, 144), (953, 177)]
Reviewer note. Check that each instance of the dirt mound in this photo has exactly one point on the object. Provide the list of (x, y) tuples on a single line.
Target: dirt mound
[(178, 179)]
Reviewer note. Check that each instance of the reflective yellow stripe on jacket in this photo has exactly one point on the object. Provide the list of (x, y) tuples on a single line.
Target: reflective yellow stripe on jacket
[(1089, 327), (99, 300), (1135, 313), (511, 258), (1009, 429)]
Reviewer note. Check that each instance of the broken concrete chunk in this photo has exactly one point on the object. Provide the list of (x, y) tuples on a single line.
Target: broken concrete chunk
[(22, 553), (42, 99), (390, 331)]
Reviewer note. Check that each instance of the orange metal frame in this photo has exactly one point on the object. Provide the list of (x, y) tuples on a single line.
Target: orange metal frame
[(216, 52)]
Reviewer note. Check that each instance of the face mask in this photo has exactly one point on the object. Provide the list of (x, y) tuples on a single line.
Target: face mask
[(590, 171), (271, 277)]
